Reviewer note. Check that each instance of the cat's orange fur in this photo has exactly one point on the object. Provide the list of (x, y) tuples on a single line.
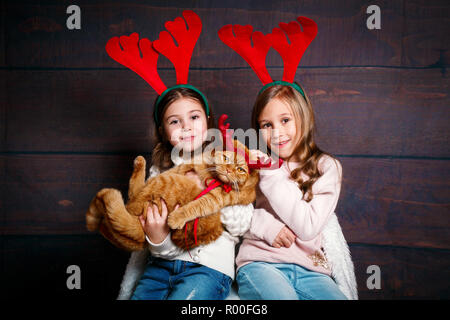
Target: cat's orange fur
[(120, 223)]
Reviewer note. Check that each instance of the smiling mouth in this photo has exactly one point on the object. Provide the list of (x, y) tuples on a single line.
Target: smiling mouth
[(190, 138), (282, 144)]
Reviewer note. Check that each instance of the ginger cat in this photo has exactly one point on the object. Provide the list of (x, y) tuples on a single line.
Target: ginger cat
[(120, 223)]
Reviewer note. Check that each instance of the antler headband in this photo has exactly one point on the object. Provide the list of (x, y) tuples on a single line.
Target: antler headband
[(291, 53), (146, 66)]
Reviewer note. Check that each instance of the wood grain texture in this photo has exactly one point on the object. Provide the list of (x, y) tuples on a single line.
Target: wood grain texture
[(3, 103), (3, 189), (38, 265), (406, 273), (402, 202), (51, 194), (38, 37), (369, 111), (2, 34), (383, 201), (425, 35)]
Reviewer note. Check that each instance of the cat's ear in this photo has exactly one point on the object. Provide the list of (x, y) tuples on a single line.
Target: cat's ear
[(239, 145), (209, 156)]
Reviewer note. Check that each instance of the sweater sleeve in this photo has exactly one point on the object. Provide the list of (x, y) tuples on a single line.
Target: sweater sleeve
[(305, 219), (265, 226), (166, 249), (237, 219)]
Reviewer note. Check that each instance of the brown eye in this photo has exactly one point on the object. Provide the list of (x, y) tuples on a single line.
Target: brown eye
[(225, 158), (240, 169)]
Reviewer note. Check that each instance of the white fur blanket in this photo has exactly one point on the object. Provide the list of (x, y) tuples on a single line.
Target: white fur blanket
[(338, 254)]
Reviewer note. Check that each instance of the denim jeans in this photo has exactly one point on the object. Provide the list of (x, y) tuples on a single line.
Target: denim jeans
[(181, 280), (285, 281)]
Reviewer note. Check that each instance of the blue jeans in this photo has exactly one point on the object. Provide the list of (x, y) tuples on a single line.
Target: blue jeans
[(181, 280), (285, 281)]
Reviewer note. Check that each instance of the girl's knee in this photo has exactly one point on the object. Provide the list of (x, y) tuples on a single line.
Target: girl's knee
[(262, 281), (320, 288), (208, 286), (248, 289)]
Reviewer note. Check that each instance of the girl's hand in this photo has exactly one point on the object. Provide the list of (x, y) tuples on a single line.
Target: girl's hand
[(155, 223), (285, 238), (257, 154)]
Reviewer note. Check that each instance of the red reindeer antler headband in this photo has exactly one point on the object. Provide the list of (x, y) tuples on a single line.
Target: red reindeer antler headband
[(180, 55), (291, 53)]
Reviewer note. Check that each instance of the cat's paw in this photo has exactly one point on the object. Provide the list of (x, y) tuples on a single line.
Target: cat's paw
[(175, 221), (139, 162)]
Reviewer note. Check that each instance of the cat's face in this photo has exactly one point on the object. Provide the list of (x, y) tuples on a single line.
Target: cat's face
[(230, 167)]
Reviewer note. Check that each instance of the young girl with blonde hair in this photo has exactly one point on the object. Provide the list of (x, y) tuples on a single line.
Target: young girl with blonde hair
[(282, 254), (294, 248)]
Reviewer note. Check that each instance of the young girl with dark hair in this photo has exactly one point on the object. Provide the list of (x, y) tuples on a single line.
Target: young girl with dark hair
[(168, 272)]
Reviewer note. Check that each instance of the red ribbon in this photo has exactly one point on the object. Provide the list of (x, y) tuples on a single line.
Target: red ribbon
[(209, 186), (227, 188)]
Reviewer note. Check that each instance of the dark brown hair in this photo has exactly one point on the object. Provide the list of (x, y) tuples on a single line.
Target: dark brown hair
[(306, 150), (162, 151)]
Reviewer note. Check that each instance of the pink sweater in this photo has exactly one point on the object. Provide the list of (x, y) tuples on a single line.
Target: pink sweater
[(279, 203)]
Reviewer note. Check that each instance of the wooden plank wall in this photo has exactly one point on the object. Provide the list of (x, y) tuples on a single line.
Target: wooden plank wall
[(72, 120)]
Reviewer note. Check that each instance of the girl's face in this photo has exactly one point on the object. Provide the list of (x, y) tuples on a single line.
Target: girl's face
[(185, 124), (278, 127)]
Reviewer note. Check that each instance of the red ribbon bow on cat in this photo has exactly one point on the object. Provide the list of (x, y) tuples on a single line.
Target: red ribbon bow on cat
[(209, 186)]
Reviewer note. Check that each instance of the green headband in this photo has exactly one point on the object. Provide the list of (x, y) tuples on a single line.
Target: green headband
[(175, 87), (285, 83)]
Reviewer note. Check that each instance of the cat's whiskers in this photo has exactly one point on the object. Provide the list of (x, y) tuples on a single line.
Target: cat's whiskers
[(235, 184), (211, 169), (205, 172)]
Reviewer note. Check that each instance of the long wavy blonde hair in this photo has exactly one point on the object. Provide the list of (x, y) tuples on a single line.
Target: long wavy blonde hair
[(306, 149)]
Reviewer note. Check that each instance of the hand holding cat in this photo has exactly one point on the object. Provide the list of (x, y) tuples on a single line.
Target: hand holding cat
[(257, 154), (285, 238), (154, 223)]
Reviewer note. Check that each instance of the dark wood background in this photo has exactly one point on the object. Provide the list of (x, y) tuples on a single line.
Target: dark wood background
[(72, 120)]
